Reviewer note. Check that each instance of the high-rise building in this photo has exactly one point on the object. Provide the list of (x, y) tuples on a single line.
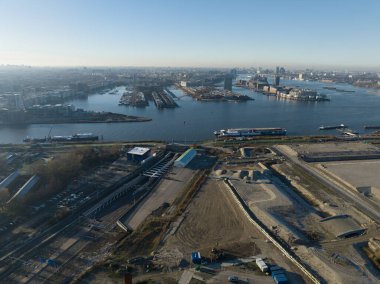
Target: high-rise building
[(277, 80), (233, 73), (228, 82), (276, 77), (16, 102)]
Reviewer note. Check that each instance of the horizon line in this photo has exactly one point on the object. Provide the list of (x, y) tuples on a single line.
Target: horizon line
[(270, 66)]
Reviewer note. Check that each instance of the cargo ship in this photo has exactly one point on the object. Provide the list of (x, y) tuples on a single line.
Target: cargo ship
[(250, 132), (341, 126), (71, 138), (372, 127)]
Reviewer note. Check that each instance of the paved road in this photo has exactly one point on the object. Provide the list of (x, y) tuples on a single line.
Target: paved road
[(356, 199)]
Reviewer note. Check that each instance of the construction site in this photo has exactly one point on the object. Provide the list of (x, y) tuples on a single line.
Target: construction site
[(170, 213)]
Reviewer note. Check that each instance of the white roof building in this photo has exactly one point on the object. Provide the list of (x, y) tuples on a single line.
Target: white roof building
[(140, 151)]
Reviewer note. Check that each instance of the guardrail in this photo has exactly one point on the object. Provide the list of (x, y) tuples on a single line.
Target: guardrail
[(261, 227)]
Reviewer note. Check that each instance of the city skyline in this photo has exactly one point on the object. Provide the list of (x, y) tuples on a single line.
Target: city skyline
[(296, 34)]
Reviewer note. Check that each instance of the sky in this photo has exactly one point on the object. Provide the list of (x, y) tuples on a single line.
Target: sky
[(186, 33)]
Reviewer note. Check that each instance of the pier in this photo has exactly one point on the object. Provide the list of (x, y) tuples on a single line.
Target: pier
[(164, 99)]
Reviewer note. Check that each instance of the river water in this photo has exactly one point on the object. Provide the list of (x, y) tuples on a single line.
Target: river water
[(194, 120)]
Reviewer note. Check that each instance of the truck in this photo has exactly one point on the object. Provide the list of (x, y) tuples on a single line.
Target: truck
[(262, 265)]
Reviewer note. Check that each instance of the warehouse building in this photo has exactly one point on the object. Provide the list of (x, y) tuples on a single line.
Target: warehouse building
[(185, 158), (342, 226)]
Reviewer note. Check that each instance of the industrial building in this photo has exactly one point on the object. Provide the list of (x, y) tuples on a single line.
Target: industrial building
[(185, 158), (342, 226), (138, 154)]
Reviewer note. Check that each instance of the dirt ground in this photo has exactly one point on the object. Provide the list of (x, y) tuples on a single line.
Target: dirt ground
[(170, 188), (210, 221), (214, 220)]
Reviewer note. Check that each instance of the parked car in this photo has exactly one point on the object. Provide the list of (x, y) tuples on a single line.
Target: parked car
[(233, 278)]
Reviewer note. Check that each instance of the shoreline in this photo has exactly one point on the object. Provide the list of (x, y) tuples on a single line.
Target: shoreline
[(142, 119)]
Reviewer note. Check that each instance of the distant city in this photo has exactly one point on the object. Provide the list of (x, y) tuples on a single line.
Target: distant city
[(40, 86)]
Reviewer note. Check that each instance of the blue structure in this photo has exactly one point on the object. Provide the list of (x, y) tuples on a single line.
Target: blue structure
[(278, 275), (185, 158), (196, 257), (280, 279)]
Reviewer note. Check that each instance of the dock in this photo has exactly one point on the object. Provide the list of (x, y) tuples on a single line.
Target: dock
[(164, 100)]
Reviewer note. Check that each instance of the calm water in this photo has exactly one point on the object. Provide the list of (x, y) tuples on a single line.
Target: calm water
[(194, 120)]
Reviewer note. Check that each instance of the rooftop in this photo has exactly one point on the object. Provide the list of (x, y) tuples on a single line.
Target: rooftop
[(186, 156), (342, 226), (138, 151)]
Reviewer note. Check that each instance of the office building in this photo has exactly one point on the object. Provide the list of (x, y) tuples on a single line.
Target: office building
[(228, 82)]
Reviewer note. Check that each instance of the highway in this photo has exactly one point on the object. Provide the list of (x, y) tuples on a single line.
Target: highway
[(356, 199)]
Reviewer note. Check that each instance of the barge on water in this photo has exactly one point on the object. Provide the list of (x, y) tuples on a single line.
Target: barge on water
[(341, 126), (72, 138), (250, 132)]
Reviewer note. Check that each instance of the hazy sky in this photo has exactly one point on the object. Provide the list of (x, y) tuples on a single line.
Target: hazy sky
[(190, 32)]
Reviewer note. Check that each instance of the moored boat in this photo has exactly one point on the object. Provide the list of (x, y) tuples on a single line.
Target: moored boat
[(250, 132), (59, 138), (341, 126)]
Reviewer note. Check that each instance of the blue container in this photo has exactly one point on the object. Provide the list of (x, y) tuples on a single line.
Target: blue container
[(280, 279), (275, 267), (277, 272), (196, 257)]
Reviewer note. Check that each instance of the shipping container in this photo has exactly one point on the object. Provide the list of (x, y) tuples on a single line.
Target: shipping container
[(196, 257), (277, 272), (280, 279)]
